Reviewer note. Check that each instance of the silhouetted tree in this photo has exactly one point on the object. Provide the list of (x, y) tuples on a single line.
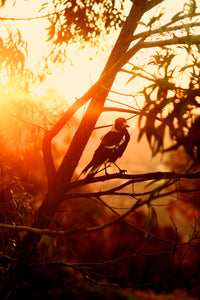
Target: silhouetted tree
[(169, 107)]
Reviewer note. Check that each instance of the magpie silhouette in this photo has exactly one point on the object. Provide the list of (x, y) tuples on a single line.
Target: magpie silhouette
[(112, 147)]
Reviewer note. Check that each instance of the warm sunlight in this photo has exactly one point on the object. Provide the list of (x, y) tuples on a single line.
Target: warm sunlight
[(79, 71), (99, 187), (69, 81), (82, 68)]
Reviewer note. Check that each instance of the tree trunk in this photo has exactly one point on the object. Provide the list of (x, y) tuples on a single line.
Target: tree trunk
[(57, 190)]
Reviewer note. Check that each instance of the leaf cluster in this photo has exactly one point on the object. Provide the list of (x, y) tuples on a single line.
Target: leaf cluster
[(171, 106), (78, 20), (16, 209), (13, 52)]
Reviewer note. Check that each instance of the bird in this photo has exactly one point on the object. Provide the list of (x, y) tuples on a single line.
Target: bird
[(112, 147)]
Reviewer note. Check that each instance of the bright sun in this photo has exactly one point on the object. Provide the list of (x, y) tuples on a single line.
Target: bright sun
[(72, 79)]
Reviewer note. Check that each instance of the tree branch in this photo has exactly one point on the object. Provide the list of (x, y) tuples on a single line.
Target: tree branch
[(31, 18), (152, 3), (49, 135), (124, 110), (189, 39), (132, 195), (32, 230), (134, 178), (167, 28), (133, 73), (152, 235)]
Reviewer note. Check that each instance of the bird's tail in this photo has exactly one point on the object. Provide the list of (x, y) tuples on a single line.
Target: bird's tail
[(86, 168), (92, 172), (84, 171)]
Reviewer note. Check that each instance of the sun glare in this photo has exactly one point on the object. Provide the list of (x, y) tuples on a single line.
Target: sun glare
[(72, 80), (81, 69)]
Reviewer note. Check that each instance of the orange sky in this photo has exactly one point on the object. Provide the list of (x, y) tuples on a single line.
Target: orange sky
[(73, 80), (70, 80)]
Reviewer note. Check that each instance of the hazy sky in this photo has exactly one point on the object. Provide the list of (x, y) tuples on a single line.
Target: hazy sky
[(71, 80)]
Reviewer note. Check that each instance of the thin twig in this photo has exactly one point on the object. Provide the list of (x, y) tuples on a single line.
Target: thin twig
[(31, 18), (29, 123)]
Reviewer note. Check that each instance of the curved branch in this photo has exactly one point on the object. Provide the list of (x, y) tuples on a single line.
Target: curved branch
[(152, 235), (117, 219)]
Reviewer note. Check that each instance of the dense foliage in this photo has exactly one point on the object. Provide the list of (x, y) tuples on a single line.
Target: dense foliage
[(78, 21), (172, 106)]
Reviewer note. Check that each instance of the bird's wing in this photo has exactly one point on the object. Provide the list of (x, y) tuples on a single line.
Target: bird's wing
[(120, 147), (123, 145), (100, 154), (111, 147), (112, 139)]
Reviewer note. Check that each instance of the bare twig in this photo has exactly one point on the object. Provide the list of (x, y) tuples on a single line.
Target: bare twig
[(31, 18), (29, 123), (154, 236)]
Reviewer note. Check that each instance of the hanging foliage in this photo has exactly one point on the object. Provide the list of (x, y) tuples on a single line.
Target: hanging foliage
[(78, 20), (172, 106)]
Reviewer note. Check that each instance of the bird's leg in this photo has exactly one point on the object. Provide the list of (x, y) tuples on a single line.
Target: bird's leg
[(120, 170), (106, 167)]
